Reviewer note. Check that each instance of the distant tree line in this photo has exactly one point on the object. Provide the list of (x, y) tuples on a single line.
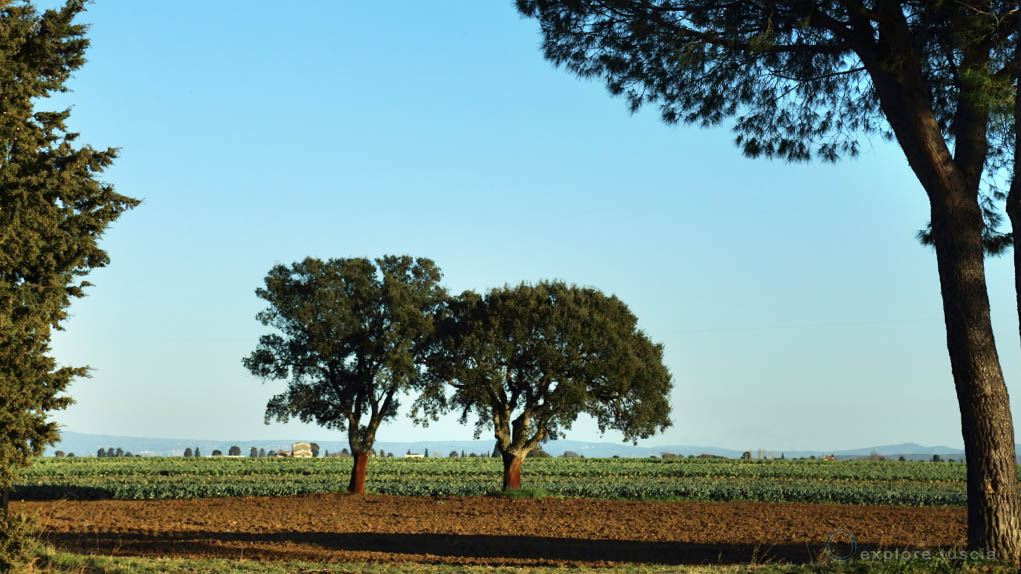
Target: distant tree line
[(111, 453), (253, 452)]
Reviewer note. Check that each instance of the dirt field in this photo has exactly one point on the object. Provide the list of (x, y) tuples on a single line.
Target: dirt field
[(483, 530)]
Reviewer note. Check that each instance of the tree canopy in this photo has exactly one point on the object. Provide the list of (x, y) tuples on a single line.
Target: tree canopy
[(53, 212), (799, 78), (352, 335), (527, 360)]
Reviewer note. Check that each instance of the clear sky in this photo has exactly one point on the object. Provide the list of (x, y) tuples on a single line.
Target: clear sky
[(796, 307)]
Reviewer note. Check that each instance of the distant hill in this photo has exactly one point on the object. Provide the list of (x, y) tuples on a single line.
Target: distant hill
[(82, 444)]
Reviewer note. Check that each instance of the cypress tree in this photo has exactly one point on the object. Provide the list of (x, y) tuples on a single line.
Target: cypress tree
[(54, 210)]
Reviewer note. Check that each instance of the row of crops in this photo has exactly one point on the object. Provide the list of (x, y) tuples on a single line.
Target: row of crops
[(847, 482)]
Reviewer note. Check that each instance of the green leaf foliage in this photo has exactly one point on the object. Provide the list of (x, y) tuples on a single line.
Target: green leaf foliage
[(53, 212), (527, 360), (796, 76), (351, 336)]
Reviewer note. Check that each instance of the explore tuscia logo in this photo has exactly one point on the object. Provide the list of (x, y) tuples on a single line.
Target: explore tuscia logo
[(842, 546)]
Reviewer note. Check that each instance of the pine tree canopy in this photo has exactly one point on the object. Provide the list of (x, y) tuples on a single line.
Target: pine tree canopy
[(53, 212), (807, 79)]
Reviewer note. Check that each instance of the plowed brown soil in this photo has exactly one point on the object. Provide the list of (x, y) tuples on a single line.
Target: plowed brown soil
[(483, 530)]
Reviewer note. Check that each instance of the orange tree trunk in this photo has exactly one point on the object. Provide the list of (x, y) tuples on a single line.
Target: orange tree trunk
[(511, 471), (357, 484)]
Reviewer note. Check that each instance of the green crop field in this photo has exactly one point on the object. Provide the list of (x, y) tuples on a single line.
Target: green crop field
[(847, 482)]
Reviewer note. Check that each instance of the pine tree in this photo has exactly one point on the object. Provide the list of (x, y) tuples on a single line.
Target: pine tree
[(797, 80)]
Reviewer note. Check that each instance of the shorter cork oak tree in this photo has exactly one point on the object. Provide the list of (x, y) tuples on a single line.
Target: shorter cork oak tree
[(351, 337), (527, 360)]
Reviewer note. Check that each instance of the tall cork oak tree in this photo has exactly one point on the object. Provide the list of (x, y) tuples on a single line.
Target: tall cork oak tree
[(808, 78), (352, 337)]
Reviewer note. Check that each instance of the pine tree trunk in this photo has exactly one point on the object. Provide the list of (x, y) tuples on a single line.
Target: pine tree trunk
[(4, 500), (952, 181), (357, 484), (986, 424), (511, 471)]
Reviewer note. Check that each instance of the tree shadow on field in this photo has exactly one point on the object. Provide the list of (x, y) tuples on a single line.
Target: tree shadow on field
[(59, 492), (442, 548)]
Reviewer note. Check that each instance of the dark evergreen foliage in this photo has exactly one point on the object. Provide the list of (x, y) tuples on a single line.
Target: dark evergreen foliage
[(53, 211)]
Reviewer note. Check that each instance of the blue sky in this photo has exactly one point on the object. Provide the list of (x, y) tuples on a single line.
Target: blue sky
[(796, 307)]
